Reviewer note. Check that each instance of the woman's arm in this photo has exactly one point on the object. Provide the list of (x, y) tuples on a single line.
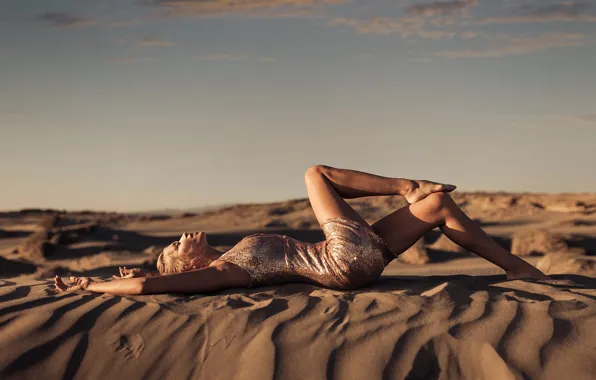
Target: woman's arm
[(355, 184), (119, 286), (220, 275)]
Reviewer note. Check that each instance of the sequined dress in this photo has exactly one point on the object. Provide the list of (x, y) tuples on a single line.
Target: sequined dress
[(351, 256)]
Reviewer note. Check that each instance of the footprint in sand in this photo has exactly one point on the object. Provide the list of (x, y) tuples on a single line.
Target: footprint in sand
[(129, 345)]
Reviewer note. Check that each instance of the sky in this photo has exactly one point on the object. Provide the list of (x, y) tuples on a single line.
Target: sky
[(127, 105)]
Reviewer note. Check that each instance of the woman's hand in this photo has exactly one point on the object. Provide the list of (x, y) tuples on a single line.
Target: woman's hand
[(77, 283), (130, 273)]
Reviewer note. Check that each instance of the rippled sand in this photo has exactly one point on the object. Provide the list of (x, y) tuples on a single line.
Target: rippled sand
[(454, 317), (415, 327)]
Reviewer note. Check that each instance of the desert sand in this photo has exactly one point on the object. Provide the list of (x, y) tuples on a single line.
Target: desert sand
[(442, 314)]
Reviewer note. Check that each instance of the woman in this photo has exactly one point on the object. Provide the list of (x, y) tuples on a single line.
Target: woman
[(353, 254)]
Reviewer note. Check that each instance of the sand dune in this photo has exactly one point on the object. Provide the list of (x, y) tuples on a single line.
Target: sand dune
[(448, 315), (410, 327)]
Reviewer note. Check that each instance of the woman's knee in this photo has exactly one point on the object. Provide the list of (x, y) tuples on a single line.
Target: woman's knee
[(437, 202), (313, 171)]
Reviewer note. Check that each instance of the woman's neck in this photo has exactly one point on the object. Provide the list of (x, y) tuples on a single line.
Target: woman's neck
[(213, 254)]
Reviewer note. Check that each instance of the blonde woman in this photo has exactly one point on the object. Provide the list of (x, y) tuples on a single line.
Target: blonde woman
[(352, 256)]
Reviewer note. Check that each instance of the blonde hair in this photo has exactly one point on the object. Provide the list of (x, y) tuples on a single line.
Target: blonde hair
[(173, 263)]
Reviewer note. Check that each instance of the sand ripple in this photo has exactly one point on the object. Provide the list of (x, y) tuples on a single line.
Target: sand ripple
[(416, 328)]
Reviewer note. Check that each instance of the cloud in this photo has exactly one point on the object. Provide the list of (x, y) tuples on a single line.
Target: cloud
[(420, 60), (264, 8), (581, 120), (441, 7), (469, 34), (221, 57), (65, 20), (155, 42), (426, 20), (519, 45), (130, 59), (560, 12), (123, 23), (405, 26), (232, 57), (121, 59), (524, 125)]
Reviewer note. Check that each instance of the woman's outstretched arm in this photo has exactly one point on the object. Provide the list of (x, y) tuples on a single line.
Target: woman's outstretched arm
[(218, 276)]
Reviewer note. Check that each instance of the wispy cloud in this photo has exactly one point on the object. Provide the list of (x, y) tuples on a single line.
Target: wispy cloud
[(121, 59), (519, 45), (264, 8), (405, 26), (524, 125), (431, 20), (155, 42), (221, 57), (581, 120), (65, 20), (123, 23), (441, 7), (232, 57), (469, 34), (124, 59), (569, 11), (420, 60)]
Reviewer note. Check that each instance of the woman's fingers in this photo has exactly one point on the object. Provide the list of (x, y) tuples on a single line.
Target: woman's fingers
[(59, 284), (126, 273), (76, 284)]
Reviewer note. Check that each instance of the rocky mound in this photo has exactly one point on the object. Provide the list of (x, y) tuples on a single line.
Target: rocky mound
[(541, 242), (559, 263), (38, 245), (44, 242), (443, 243), (416, 254), (15, 268)]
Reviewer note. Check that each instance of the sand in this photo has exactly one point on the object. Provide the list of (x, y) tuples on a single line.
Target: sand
[(455, 317)]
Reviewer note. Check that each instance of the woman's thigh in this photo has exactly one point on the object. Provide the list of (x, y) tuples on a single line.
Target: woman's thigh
[(325, 200)]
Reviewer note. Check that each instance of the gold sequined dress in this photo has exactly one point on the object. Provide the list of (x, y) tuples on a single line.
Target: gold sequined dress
[(351, 256)]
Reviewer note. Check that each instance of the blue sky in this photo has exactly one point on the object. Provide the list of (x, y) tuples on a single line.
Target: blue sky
[(146, 104)]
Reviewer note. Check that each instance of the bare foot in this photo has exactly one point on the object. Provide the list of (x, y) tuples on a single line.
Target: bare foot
[(422, 189)]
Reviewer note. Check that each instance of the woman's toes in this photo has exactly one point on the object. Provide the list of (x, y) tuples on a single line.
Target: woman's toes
[(443, 187)]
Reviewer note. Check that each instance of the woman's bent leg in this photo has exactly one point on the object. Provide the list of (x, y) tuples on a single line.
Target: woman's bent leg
[(404, 227)]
